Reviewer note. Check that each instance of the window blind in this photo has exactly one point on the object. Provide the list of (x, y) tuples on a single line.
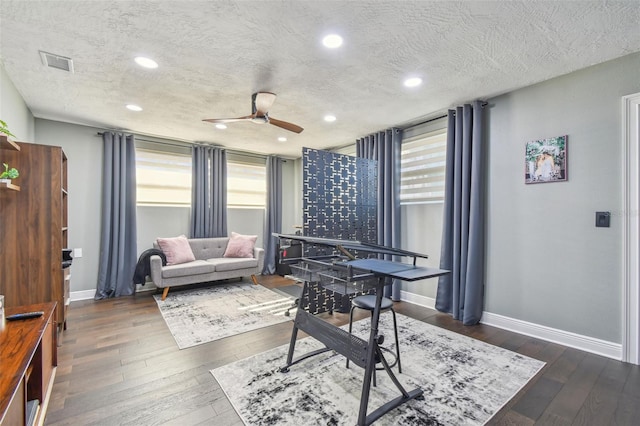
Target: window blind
[(246, 185), (422, 168), (163, 178)]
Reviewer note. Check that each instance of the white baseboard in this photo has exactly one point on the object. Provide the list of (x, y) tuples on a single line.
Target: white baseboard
[(416, 299), (565, 338), (147, 287), (74, 296)]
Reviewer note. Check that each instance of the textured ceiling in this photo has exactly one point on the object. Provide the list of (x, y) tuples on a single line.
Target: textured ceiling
[(214, 54)]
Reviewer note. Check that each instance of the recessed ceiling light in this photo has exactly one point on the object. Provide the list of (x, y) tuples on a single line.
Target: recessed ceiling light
[(413, 82), (221, 126), (332, 41), (282, 139), (330, 118), (134, 107), (146, 62)]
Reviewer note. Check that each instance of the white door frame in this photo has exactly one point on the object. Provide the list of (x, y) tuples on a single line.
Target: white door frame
[(631, 228)]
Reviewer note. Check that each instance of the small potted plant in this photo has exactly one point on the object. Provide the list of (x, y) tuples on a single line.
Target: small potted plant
[(8, 174), (5, 130)]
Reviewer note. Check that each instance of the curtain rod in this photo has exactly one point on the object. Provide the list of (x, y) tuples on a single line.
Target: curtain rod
[(158, 141), (483, 104), (424, 122), (184, 144)]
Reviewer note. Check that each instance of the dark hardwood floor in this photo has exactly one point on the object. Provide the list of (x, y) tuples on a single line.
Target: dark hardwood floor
[(119, 364)]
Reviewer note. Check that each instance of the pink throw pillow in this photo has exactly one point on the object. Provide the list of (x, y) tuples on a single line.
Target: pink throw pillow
[(176, 249), (240, 245)]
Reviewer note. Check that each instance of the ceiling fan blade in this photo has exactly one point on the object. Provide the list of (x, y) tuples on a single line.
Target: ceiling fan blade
[(228, 120), (285, 125), (262, 101)]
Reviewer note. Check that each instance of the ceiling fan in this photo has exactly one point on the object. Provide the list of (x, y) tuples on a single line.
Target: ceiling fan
[(260, 104)]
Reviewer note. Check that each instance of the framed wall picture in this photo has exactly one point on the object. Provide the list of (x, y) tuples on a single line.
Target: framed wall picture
[(546, 160)]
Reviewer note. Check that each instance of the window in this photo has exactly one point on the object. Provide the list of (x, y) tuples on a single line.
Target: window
[(163, 178), (422, 168), (246, 185), (346, 150)]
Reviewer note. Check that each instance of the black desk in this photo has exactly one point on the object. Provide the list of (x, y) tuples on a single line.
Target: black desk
[(372, 274), (401, 271)]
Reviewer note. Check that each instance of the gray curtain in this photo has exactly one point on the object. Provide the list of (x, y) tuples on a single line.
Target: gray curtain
[(385, 148), (273, 213), (461, 292), (209, 192), (118, 249)]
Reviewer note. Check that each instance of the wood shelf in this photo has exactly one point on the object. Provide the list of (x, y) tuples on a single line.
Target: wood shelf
[(4, 185), (33, 274), (8, 143), (29, 357)]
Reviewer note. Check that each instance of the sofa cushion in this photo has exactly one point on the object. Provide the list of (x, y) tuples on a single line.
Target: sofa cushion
[(177, 250), (231, 264), (192, 268), (207, 248), (240, 245)]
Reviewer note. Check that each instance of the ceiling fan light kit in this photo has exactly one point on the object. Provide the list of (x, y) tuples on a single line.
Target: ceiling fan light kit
[(260, 104)]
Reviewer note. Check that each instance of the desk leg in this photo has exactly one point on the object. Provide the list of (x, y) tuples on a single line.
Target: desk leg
[(292, 347), (294, 331), (371, 353)]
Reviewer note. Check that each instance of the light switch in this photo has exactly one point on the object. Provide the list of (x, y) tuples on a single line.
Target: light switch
[(77, 253), (603, 219)]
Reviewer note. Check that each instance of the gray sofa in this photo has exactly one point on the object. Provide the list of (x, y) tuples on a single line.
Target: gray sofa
[(208, 266)]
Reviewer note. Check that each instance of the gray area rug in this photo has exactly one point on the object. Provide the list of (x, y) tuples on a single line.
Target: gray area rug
[(465, 381), (202, 315)]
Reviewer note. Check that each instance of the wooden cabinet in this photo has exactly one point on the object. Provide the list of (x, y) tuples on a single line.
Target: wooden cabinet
[(33, 225), (28, 353)]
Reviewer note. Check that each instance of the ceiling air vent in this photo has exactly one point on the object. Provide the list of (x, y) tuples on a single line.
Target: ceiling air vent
[(57, 61)]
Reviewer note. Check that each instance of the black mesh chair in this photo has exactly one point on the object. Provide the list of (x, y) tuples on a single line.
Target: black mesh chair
[(368, 302)]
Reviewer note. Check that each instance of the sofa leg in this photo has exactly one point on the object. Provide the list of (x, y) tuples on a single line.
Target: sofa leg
[(165, 292), (254, 279)]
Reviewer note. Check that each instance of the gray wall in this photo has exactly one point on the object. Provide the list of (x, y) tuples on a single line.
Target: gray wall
[(421, 231), (14, 111), (160, 221), (546, 262), (246, 221)]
